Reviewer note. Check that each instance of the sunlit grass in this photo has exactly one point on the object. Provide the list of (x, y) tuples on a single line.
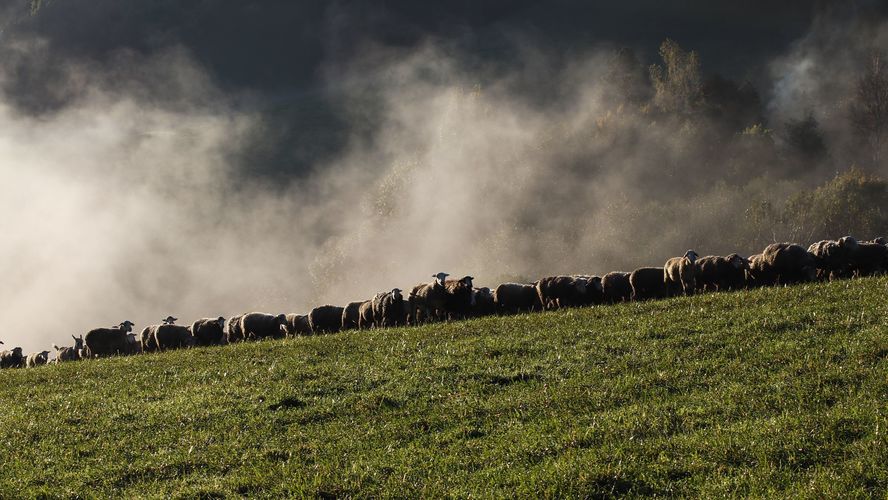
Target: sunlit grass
[(773, 392)]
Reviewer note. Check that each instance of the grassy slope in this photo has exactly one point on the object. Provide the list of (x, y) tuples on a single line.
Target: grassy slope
[(768, 392)]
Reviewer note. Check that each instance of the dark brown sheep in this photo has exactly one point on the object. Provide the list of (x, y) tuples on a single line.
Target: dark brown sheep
[(325, 319), (108, 341), (365, 315), (12, 358), (351, 315), (208, 331), (514, 298), (257, 325), (64, 354), (169, 336), (680, 274), (233, 331), (561, 291), (388, 309), (297, 325), (716, 273), (648, 283), (615, 287)]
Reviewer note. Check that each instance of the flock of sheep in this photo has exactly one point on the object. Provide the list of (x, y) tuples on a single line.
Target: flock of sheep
[(447, 299)]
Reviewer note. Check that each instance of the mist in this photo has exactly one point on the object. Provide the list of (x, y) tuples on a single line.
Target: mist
[(136, 199)]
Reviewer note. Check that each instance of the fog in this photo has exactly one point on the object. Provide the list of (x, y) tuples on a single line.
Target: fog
[(133, 200)]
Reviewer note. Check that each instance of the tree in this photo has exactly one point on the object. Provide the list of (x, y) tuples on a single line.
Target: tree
[(804, 139), (869, 107), (677, 82)]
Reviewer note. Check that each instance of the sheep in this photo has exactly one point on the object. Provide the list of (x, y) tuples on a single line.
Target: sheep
[(37, 358), (12, 358), (69, 353), (460, 299), (757, 275), (716, 273), (257, 325), (146, 337), (594, 294), (133, 344), (428, 300), (513, 298), (648, 283), (388, 309), (484, 303), (365, 314), (297, 324), (615, 287), (869, 259), (108, 341), (561, 291), (785, 264), (679, 274), (208, 331), (170, 336), (351, 315), (233, 331), (833, 258), (325, 319)]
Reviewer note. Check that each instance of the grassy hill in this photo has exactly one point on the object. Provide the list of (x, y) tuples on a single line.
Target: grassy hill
[(771, 392)]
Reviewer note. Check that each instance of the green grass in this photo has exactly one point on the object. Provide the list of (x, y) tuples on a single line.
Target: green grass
[(770, 393)]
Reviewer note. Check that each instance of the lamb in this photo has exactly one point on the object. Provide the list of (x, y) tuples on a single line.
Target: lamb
[(208, 331), (615, 287), (679, 274), (12, 358), (171, 336), (233, 331), (257, 325), (715, 273), (365, 314), (37, 358), (351, 315), (388, 309), (108, 341), (325, 319), (648, 283), (69, 353), (561, 291), (513, 298), (297, 324)]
